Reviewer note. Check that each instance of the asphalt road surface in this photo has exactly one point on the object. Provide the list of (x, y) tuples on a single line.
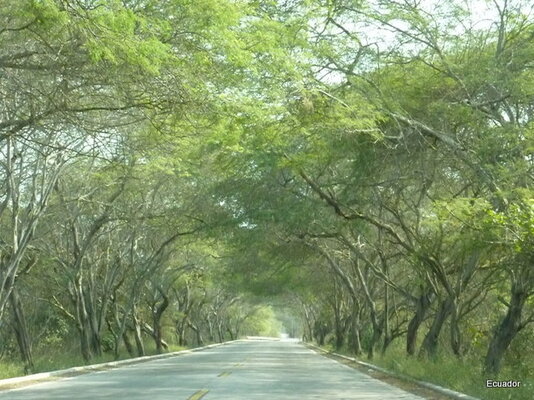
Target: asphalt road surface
[(240, 370)]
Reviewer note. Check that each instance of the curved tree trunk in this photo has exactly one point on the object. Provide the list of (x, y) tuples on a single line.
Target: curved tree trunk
[(506, 330), (429, 347), (157, 314), (220, 332), (422, 307)]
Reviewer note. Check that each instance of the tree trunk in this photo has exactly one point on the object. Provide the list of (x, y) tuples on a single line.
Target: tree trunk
[(84, 344), (198, 333), (93, 323), (21, 330), (506, 330), (83, 331), (387, 342), (231, 334), (340, 337), (157, 314), (180, 330), (429, 347), (377, 334), (82, 319), (122, 334), (422, 306), (456, 337), (386, 327), (127, 344), (211, 336), (96, 342), (308, 330), (338, 326), (137, 334), (220, 332), (320, 332), (355, 343)]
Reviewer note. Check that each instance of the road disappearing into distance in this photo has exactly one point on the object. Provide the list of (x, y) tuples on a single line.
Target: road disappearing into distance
[(250, 369)]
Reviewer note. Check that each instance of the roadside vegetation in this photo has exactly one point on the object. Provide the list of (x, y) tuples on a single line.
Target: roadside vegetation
[(57, 358), (355, 173), (447, 371)]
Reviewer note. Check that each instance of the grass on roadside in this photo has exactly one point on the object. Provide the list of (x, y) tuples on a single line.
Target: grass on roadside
[(464, 376), (56, 359), (10, 369)]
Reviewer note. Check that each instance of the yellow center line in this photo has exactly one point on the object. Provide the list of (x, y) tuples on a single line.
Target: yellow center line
[(225, 373), (198, 394)]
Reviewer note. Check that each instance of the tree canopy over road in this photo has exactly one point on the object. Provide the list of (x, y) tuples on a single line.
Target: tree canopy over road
[(357, 173)]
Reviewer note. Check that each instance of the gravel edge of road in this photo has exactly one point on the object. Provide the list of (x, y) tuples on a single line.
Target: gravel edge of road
[(21, 381), (447, 393)]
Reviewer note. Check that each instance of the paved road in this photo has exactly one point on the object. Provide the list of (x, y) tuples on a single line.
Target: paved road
[(240, 370)]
